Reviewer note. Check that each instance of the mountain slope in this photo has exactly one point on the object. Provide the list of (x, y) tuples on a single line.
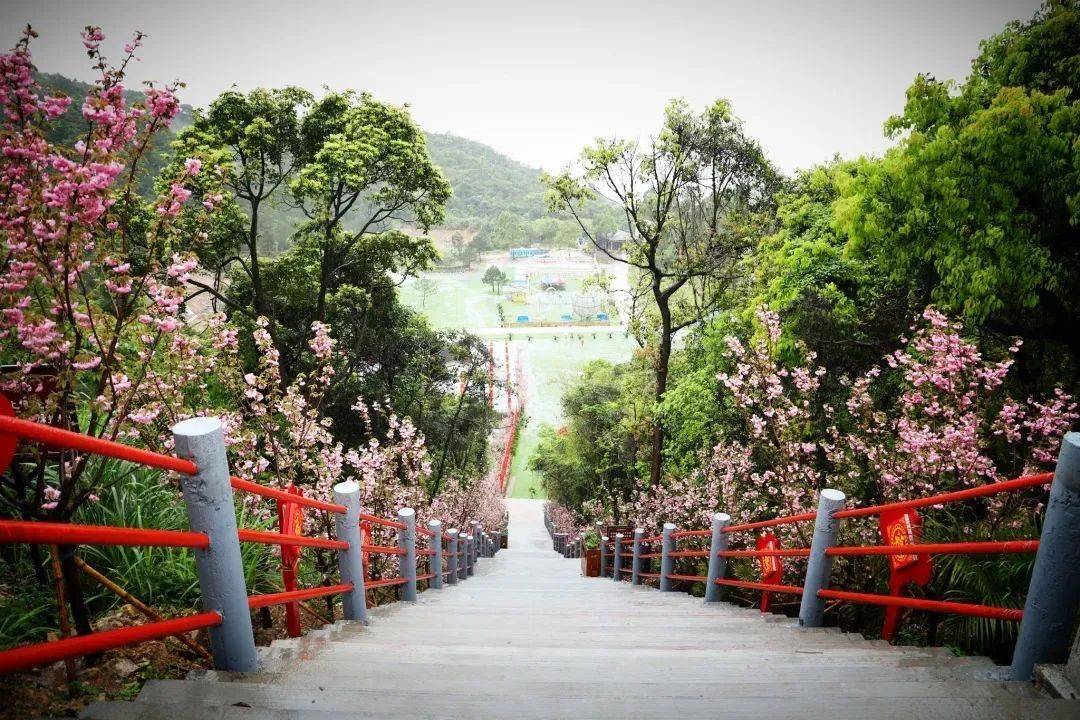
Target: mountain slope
[(485, 182)]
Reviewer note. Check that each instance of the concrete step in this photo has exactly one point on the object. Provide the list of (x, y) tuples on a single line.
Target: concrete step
[(527, 637), (212, 700)]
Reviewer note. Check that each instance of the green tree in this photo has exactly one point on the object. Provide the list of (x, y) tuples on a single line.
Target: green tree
[(981, 200), (593, 456), (368, 158), (692, 198), (496, 278), (426, 287), (254, 140), (507, 230)]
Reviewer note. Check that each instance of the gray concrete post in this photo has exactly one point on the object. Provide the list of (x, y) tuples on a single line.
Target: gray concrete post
[(498, 541), (451, 556), (481, 545), (603, 556), (435, 526), (474, 526), (350, 562), (819, 565), (667, 563), (557, 541), (470, 558), (210, 510), (717, 564), (616, 558), (635, 567), (1054, 591), (406, 540)]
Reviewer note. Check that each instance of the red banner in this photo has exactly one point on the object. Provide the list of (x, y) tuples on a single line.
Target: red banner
[(902, 527), (772, 567)]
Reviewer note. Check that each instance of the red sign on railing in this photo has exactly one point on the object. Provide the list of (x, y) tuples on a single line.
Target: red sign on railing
[(290, 522), (772, 568), (900, 528)]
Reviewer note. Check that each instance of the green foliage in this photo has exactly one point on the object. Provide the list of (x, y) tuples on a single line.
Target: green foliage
[(981, 200), (163, 578), (486, 183), (496, 278), (593, 455)]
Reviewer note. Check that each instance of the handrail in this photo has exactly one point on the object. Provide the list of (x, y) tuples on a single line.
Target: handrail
[(55, 437), (1047, 591), (970, 548), (44, 653), (786, 520), (955, 608), (50, 533), (980, 491), (215, 492), (376, 520), (383, 549), (764, 587), (272, 538), (782, 552), (280, 598), (691, 533), (275, 494)]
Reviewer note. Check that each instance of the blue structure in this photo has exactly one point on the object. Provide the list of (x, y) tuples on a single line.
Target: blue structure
[(523, 253), (522, 318), (602, 316)]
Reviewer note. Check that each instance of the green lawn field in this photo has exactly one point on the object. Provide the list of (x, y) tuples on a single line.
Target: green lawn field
[(550, 359)]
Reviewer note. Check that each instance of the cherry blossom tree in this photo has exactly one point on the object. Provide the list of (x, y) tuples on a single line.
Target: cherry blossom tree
[(90, 280)]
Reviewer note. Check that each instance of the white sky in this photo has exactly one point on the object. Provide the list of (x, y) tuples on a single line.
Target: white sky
[(538, 80)]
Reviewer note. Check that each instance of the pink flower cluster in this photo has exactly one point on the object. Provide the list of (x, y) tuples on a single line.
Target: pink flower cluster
[(63, 244)]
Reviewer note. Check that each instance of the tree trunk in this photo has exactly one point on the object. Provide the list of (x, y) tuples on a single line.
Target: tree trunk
[(656, 452), (80, 615)]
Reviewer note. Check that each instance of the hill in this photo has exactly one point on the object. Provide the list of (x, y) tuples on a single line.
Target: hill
[(486, 182)]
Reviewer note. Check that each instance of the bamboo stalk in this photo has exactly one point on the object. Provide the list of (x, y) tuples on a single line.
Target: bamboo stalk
[(140, 606), (315, 614), (61, 606)]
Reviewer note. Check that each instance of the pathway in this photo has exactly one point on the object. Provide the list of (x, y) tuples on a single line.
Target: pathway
[(528, 637)]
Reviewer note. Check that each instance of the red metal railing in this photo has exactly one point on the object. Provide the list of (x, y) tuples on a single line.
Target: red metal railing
[(12, 531), (894, 601)]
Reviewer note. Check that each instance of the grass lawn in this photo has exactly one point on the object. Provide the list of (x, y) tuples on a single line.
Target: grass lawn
[(462, 300), (549, 365)]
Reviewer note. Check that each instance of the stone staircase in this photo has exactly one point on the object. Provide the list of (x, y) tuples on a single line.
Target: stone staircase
[(527, 637)]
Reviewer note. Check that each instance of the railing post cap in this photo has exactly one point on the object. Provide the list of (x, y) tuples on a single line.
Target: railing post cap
[(669, 526), (434, 523), (406, 512), (196, 426), (452, 531), (1068, 458), (604, 538), (618, 536), (830, 494), (722, 517), (639, 531), (348, 487)]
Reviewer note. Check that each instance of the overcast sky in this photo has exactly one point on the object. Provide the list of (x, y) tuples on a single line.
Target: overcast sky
[(538, 80)]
